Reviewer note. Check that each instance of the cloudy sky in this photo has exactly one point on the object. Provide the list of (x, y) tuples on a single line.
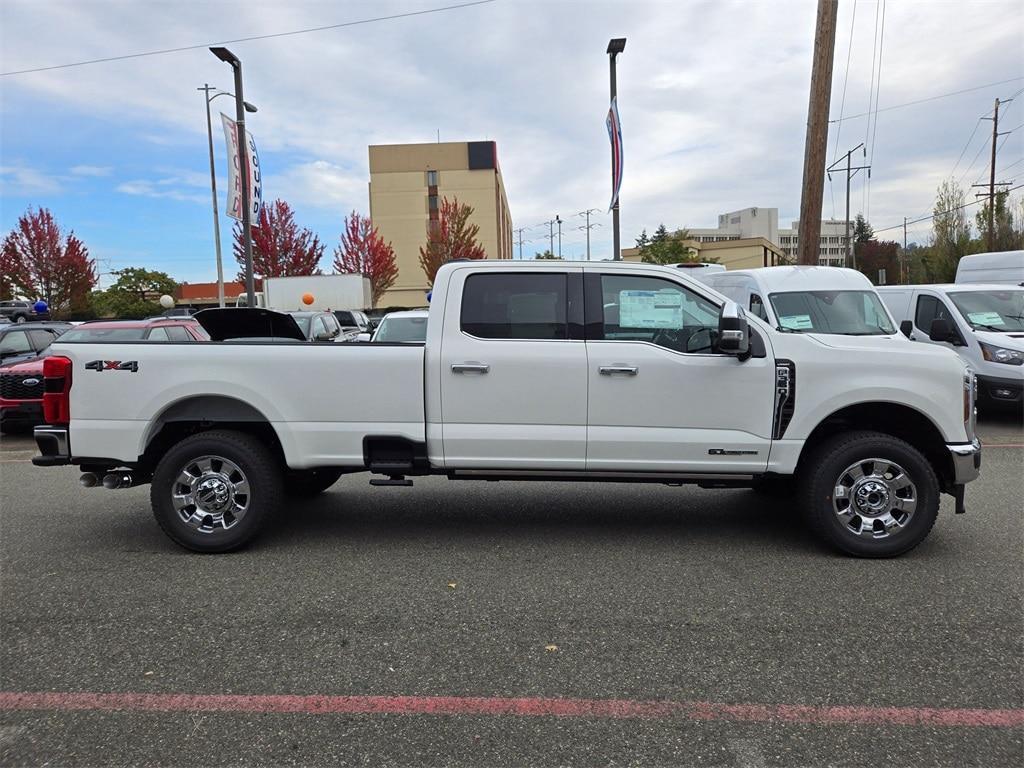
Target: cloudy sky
[(713, 99)]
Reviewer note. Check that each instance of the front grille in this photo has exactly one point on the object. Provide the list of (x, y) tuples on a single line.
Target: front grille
[(13, 386)]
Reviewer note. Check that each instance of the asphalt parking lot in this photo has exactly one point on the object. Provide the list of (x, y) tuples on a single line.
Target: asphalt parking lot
[(491, 624)]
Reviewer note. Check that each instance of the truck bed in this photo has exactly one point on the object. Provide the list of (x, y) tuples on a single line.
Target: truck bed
[(321, 399)]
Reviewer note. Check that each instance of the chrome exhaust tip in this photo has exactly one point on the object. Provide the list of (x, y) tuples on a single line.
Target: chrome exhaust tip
[(117, 480), (89, 480)]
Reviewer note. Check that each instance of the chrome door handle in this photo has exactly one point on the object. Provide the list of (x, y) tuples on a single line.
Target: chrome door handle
[(470, 368), (609, 370)]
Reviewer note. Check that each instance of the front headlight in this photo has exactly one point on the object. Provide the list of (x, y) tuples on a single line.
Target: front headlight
[(996, 354)]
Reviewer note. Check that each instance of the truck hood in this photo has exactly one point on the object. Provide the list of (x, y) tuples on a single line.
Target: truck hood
[(248, 323), (891, 343), (24, 366), (1012, 340)]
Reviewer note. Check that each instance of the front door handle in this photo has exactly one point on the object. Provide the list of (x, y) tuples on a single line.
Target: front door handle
[(470, 368), (611, 370)]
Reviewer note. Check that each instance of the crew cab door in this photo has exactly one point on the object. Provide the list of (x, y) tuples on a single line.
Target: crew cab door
[(514, 370), (660, 397)]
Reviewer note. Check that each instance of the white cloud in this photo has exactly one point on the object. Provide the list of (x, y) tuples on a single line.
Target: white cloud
[(91, 170), (320, 184), (168, 188), (23, 181)]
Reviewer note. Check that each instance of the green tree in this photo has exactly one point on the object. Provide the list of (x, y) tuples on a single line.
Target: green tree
[(135, 294), (546, 255), (1007, 237), (665, 247), (951, 238)]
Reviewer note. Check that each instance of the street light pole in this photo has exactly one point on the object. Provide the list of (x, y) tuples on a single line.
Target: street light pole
[(558, 220), (615, 47), (213, 190), (243, 154)]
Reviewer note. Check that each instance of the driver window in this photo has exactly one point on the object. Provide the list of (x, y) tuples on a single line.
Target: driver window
[(757, 307), (659, 312)]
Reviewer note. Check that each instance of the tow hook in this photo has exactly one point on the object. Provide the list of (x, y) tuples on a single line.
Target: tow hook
[(958, 495)]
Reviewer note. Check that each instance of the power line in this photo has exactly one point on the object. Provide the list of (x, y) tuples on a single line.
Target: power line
[(940, 213), (250, 39), (842, 105), (874, 131), (931, 98)]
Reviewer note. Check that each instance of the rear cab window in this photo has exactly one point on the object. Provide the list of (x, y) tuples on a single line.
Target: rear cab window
[(516, 306)]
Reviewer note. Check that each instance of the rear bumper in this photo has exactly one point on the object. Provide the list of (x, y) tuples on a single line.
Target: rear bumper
[(54, 446), (966, 461)]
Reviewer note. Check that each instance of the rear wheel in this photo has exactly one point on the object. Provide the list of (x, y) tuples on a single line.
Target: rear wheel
[(871, 494), (212, 491)]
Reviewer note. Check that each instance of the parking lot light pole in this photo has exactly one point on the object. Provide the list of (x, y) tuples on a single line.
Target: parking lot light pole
[(213, 182), (615, 46), (243, 154)]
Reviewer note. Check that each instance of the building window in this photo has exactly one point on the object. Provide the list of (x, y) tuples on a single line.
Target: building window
[(431, 178), (432, 202)]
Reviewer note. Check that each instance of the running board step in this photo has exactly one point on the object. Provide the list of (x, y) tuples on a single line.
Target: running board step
[(393, 480)]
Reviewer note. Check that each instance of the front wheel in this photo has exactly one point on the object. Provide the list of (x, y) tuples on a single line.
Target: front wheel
[(870, 494), (212, 491)]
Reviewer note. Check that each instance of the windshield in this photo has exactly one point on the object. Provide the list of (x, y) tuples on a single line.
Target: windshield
[(103, 334), (1001, 311), (402, 329), (303, 322), (849, 313)]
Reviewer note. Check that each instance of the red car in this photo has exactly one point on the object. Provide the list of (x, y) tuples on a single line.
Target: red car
[(21, 384)]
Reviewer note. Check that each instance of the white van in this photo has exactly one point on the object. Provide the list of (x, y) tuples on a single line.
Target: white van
[(983, 323), (1004, 267), (807, 299)]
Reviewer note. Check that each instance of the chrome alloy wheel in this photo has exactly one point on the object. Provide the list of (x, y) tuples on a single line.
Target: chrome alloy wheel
[(211, 494), (874, 498)]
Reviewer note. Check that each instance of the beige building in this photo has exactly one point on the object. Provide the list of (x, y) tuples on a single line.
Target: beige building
[(734, 253), (408, 182)]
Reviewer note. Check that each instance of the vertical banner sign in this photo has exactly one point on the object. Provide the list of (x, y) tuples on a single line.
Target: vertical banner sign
[(615, 137), (234, 191)]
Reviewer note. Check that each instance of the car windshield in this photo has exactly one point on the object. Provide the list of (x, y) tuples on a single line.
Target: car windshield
[(1001, 311), (103, 334), (303, 322), (402, 329), (345, 318), (849, 313)]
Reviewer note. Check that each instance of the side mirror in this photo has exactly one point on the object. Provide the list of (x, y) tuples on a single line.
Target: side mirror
[(734, 331), (907, 328), (363, 337), (941, 330)]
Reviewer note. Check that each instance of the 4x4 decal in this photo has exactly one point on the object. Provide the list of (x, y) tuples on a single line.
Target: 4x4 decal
[(112, 365)]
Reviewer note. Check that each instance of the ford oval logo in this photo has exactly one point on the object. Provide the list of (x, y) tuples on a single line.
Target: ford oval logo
[(30, 382)]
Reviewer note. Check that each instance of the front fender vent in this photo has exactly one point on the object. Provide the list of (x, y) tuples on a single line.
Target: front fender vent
[(785, 397)]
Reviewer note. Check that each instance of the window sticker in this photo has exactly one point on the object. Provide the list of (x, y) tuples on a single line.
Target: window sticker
[(650, 309), (986, 318), (796, 322)]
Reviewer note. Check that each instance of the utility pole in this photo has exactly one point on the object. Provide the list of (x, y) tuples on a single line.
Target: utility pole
[(551, 234), (815, 144), (521, 241), (558, 221), (588, 226), (990, 238), (851, 171), (903, 256)]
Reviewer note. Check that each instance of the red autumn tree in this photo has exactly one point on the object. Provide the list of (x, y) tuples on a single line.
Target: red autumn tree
[(876, 255), (37, 260), (363, 251), (279, 247), (450, 237)]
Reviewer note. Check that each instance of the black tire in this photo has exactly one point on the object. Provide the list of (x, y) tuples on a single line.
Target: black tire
[(820, 479), (20, 318), (307, 483), (258, 465)]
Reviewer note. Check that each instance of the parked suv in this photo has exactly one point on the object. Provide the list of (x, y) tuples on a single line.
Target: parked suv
[(21, 311), (21, 375)]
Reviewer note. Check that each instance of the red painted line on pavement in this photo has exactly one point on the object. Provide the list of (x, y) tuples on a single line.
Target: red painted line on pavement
[(521, 707)]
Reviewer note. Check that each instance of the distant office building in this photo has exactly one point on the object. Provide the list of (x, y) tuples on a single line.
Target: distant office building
[(730, 252), (407, 185), (764, 223)]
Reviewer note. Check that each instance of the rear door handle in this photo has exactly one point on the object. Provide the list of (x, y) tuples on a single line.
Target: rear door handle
[(611, 370), (470, 368)]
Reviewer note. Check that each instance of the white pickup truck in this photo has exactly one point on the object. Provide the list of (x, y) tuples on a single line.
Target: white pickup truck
[(550, 371)]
